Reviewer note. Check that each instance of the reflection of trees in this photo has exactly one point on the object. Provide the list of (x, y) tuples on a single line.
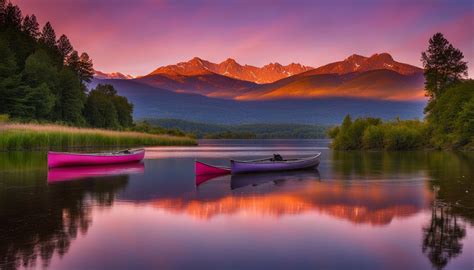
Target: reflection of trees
[(451, 176), (453, 206), (442, 236), (38, 222), (376, 164)]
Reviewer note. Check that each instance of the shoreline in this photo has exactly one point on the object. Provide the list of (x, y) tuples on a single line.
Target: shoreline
[(38, 137)]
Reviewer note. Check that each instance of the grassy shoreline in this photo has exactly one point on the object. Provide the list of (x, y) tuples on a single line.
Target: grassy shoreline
[(14, 137)]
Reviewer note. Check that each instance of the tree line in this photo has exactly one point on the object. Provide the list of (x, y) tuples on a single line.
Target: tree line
[(449, 114), (44, 78)]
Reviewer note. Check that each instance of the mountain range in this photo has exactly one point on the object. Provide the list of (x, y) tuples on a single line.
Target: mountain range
[(228, 92), (230, 68), (114, 75)]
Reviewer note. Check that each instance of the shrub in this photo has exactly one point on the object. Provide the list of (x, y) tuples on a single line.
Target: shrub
[(373, 138)]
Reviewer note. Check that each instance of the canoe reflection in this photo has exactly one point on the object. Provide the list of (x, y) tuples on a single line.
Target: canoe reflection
[(278, 178), (76, 173)]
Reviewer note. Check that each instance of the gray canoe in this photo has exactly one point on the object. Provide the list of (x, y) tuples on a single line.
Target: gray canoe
[(271, 165)]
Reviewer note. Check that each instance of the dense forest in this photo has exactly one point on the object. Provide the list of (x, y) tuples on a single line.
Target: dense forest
[(43, 78), (243, 131), (449, 114)]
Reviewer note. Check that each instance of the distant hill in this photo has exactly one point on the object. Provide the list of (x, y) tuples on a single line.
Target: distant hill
[(359, 63), (373, 84), (153, 102), (261, 130), (205, 83), (230, 68)]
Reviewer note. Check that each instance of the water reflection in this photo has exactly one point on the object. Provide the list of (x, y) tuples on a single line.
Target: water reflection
[(62, 174), (38, 220), (277, 178), (371, 193)]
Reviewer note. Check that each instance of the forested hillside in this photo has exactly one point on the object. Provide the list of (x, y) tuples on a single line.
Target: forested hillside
[(43, 77)]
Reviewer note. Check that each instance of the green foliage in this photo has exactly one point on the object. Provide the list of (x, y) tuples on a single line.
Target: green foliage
[(71, 98), (373, 133), (451, 119), (48, 36), (105, 109), (86, 70), (7, 60), (42, 78), (144, 126), (231, 135), (373, 137), (443, 66), (261, 131)]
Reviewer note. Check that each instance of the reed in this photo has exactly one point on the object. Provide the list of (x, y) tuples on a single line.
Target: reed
[(15, 136)]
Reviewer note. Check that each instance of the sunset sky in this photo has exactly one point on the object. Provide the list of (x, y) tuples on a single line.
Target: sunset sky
[(135, 37)]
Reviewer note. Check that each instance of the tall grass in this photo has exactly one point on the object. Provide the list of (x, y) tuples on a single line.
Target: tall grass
[(45, 137)]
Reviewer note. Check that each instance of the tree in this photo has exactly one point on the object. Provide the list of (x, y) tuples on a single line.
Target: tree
[(71, 98), (443, 66), (12, 16), (8, 64), (31, 26), (86, 69), (48, 36), (105, 109), (72, 62), (39, 69), (64, 47), (3, 5)]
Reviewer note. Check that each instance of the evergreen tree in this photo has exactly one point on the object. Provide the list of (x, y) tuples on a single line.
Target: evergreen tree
[(8, 64), (31, 26), (443, 66), (105, 109), (39, 69), (3, 5), (64, 47), (13, 16), (71, 98), (72, 62), (48, 36), (86, 69)]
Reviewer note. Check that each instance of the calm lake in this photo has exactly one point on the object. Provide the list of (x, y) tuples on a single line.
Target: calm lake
[(359, 210)]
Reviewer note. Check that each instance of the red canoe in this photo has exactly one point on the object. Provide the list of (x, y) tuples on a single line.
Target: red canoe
[(61, 159), (206, 169)]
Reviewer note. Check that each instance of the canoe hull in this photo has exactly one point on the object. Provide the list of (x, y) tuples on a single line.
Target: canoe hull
[(58, 159), (238, 167), (206, 169)]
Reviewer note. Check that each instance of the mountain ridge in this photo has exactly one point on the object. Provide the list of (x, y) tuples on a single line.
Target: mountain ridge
[(231, 68)]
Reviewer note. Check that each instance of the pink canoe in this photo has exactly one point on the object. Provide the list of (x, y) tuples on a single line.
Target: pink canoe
[(206, 169), (61, 159)]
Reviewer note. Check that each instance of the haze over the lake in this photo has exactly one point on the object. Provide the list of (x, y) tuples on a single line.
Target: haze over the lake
[(136, 37)]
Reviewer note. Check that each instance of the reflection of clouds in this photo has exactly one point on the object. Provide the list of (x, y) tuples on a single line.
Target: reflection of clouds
[(375, 204), (216, 152)]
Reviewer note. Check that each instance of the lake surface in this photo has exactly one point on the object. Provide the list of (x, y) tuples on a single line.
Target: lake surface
[(359, 210)]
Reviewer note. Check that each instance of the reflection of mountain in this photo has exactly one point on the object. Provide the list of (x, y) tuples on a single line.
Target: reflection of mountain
[(375, 204)]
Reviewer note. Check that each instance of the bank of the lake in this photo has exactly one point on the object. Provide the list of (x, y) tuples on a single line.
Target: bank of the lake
[(15, 136)]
